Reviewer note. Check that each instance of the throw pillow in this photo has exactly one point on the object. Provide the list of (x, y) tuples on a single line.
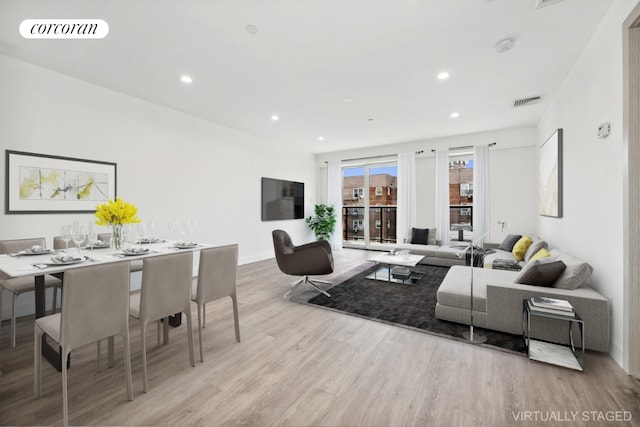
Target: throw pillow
[(521, 246), (576, 273), (541, 272), (542, 253), (419, 236), (432, 236), (509, 241), (533, 249)]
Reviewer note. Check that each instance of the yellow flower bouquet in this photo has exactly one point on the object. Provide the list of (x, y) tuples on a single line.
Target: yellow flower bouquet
[(114, 213)]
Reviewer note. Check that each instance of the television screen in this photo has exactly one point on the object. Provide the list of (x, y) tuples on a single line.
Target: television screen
[(282, 199)]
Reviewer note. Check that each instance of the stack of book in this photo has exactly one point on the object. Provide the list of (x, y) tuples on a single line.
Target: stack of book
[(401, 273), (559, 307), (505, 264)]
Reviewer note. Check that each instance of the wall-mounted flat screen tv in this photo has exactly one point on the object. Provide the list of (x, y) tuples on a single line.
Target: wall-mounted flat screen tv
[(282, 199)]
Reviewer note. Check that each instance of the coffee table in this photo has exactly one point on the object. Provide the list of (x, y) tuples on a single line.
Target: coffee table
[(387, 260)]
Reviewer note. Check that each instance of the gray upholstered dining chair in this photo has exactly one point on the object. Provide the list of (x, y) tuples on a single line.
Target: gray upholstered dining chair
[(20, 285), (216, 279), (165, 290), (95, 306), (306, 260)]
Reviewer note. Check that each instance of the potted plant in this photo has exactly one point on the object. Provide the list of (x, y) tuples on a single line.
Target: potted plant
[(323, 222)]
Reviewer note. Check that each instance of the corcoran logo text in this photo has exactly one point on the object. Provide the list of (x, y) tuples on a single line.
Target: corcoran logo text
[(64, 29)]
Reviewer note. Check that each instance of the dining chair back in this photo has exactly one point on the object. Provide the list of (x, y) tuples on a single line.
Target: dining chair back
[(21, 285), (95, 306), (165, 291), (217, 274)]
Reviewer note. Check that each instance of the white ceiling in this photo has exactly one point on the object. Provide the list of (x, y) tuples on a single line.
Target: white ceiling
[(309, 55)]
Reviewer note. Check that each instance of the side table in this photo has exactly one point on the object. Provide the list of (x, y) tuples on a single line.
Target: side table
[(556, 354)]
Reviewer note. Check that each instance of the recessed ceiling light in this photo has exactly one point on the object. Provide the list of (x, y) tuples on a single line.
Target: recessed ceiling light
[(455, 114), (321, 138), (505, 45), (251, 29), (186, 79), (275, 118), (443, 75), (347, 100)]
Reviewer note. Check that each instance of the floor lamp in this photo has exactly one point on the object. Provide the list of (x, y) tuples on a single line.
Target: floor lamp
[(478, 339)]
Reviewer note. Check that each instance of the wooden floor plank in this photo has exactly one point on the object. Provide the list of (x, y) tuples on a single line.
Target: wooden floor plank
[(298, 365)]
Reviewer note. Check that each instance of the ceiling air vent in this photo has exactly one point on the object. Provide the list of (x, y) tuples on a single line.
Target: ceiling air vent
[(543, 3), (523, 102)]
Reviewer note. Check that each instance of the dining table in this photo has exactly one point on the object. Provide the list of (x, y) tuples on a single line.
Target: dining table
[(38, 263)]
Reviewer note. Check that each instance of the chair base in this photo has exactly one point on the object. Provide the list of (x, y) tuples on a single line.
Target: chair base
[(313, 283)]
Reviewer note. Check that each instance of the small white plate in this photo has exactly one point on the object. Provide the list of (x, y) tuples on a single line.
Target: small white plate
[(185, 245), (57, 261), (129, 252), (29, 252)]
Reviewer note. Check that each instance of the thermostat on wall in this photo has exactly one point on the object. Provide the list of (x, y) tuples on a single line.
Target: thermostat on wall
[(604, 130)]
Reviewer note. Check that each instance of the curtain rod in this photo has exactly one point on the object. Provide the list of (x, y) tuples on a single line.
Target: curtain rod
[(374, 157), (464, 147)]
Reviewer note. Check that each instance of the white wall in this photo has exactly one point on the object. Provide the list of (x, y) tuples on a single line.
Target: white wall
[(513, 175), (591, 227), (169, 164)]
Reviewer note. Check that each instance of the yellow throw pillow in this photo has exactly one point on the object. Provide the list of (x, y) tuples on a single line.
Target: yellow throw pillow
[(521, 246), (542, 253)]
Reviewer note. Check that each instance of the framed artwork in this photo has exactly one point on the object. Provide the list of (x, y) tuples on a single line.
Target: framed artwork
[(41, 183), (551, 176)]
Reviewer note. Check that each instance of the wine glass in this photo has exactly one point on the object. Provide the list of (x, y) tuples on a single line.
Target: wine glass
[(79, 236), (91, 235), (66, 234), (173, 228)]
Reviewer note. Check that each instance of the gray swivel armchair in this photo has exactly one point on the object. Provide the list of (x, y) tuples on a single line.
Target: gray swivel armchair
[(311, 259)]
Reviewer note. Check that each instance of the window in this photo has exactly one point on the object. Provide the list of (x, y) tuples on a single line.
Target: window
[(358, 193), (378, 191), (465, 211), (466, 189), (378, 223), (357, 225), (357, 211)]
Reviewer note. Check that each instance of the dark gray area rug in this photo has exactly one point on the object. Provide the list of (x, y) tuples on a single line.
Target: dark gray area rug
[(411, 306)]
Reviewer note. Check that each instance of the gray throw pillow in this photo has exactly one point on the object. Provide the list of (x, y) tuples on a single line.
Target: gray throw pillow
[(534, 248), (419, 236), (576, 273), (432, 236), (541, 272), (509, 242)]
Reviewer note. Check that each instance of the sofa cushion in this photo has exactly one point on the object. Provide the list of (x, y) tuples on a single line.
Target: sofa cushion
[(419, 236), (541, 272), (521, 246), (575, 275), (509, 241), (542, 253), (450, 252), (533, 248)]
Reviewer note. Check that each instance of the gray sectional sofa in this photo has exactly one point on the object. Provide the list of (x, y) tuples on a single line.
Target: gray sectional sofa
[(497, 303), (497, 297)]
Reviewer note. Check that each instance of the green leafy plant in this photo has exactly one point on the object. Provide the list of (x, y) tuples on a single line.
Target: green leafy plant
[(323, 222)]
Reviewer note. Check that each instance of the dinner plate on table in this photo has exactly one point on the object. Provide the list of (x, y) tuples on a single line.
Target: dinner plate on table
[(98, 246), (30, 252), (150, 240), (65, 261), (136, 251), (185, 245)]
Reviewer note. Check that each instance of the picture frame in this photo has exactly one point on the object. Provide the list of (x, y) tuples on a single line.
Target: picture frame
[(45, 184), (550, 184)]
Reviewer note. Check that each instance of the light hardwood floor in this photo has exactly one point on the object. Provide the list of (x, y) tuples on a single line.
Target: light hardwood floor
[(304, 366)]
